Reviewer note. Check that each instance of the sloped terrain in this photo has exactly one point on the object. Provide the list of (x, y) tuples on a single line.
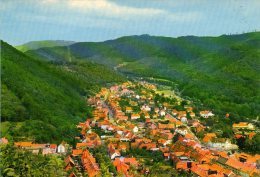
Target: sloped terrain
[(42, 100), (222, 72)]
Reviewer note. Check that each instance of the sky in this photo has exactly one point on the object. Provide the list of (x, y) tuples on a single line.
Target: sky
[(22, 21)]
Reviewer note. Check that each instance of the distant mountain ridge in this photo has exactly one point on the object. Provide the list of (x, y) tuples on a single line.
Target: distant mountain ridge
[(131, 48), (223, 72), (33, 45)]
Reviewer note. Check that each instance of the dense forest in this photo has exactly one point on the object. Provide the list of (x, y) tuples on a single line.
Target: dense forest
[(17, 162), (219, 72), (42, 101)]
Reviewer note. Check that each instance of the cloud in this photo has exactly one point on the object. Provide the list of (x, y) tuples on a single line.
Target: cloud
[(111, 9), (104, 9)]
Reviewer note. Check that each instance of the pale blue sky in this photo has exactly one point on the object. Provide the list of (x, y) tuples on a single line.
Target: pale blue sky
[(89, 20)]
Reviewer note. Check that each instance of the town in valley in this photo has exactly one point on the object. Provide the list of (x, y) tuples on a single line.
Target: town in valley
[(136, 129)]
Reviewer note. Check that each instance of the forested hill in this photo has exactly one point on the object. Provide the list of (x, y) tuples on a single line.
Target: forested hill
[(222, 72), (33, 45), (43, 101)]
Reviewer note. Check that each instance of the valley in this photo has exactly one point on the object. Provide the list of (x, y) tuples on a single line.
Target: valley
[(134, 106), (221, 72)]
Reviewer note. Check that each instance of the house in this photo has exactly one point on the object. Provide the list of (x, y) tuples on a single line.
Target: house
[(145, 108), (122, 147), (250, 159), (189, 136), (199, 127), (135, 129), (128, 109), (199, 171), (49, 149), (182, 131), (167, 135), (113, 152), (243, 125), (174, 112), (166, 126), (133, 103), (126, 92), (152, 126), (123, 164), (122, 118), (162, 113), (184, 120), (188, 108), (35, 148), (251, 135), (164, 142), (129, 135), (192, 114), (121, 167), (3, 141), (104, 127), (245, 169), (182, 114), (77, 152), (61, 149), (166, 156), (206, 114), (208, 137), (69, 163), (131, 161), (222, 144), (89, 164), (182, 163), (178, 123), (135, 116), (82, 145), (146, 115), (23, 144), (72, 174)]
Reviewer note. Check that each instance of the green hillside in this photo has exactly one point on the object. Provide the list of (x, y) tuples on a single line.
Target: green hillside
[(222, 72), (43, 101), (33, 45)]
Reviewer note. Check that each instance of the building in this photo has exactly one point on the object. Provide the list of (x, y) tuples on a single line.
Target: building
[(128, 110), (135, 116), (206, 114), (61, 149), (89, 164), (243, 125)]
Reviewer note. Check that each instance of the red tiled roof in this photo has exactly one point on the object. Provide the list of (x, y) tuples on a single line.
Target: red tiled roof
[(89, 164), (202, 173), (53, 146), (77, 152), (23, 144), (80, 145), (121, 166)]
